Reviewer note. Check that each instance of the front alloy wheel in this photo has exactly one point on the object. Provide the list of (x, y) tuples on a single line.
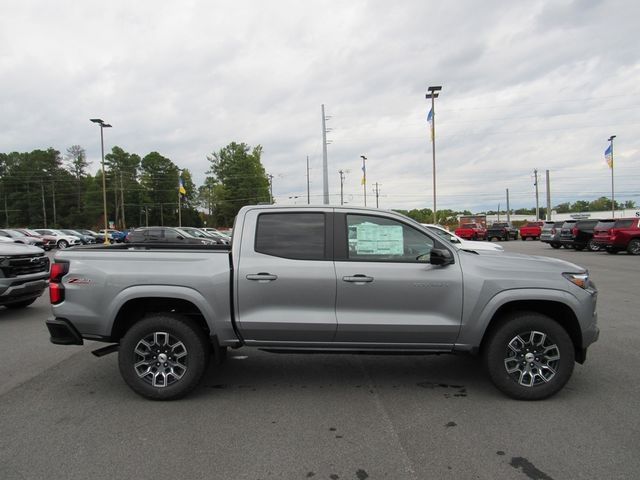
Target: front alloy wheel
[(531, 359), (529, 356)]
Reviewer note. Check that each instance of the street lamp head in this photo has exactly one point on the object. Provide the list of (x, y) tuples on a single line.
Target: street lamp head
[(97, 120), (611, 138), (106, 125), (435, 89), (363, 157)]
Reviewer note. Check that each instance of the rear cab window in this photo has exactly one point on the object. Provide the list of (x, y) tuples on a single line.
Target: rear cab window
[(294, 235)]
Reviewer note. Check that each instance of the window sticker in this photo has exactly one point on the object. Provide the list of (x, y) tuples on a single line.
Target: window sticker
[(373, 239)]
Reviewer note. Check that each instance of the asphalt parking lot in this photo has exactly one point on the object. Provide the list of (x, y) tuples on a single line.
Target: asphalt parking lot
[(66, 414)]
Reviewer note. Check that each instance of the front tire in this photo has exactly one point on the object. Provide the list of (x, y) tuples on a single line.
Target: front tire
[(62, 244), (529, 356), (593, 246), (163, 356)]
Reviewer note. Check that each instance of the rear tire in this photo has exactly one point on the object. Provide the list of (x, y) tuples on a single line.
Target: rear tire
[(529, 356), (555, 245), (593, 246), (634, 247), (163, 356), (62, 244)]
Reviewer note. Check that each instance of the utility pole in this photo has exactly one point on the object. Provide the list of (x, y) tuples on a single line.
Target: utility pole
[(341, 172), (179, 200), (548, 196), (124, 226), (55, 217), (325, 170), (115, 197), (535, 173), (377, 190), (162, 215), (508, 211), (270, 188), (44, 210), (364, 178), (146, 215), (308, 192)]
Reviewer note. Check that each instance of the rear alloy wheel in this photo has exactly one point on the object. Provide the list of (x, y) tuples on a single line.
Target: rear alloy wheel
[(593, 246), (62, 244), (634, 247), (529, 356), (163, 356)]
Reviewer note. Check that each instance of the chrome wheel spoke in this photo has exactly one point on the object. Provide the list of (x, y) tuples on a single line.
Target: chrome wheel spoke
[(160, 359), (533, 361)]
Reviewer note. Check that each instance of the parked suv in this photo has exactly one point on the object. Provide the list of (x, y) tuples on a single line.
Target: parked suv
[(166, 235), (502, 231), (551, 233), (602, 232), (23, 274), (578, 234), (625, 235), (20, 237)]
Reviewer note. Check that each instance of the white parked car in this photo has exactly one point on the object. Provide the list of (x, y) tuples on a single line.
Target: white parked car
[(461, 243), (62, 239)]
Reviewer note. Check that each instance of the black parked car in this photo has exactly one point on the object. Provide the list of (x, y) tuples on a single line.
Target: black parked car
[(502, 231), (165, 235), (578, 234)]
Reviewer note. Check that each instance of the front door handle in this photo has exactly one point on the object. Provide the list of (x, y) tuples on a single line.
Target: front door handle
[(358, 279), (262, 277)]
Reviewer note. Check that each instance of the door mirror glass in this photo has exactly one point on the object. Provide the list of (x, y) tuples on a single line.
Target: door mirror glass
[(440, 256)]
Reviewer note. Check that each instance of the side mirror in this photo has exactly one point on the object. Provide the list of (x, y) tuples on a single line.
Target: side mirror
[(440, 256)]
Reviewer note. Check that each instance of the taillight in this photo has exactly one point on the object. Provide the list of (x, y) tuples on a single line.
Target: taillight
[(574, 231), (56, 288)]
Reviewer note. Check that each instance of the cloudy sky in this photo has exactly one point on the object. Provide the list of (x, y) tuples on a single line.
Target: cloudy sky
[(526, 85)]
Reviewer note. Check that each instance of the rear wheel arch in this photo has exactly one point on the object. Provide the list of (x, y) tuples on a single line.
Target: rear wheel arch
[(134, 310), (557, 311)]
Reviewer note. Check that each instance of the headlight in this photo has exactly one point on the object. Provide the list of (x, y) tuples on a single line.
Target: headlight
[(579, 279)]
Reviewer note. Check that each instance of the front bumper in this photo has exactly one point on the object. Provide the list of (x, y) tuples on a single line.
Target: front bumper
[(22, 290)]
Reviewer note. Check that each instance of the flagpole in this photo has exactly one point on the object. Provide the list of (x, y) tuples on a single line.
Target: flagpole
[(364, 179), (179, 201), (613, 202)]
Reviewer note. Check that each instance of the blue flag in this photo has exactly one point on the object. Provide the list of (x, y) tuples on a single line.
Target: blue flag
[(608, 156)]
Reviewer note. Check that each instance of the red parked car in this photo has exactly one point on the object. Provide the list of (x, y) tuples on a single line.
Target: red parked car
[(625, 235), (602, 232), (471, 231), (49, 241), (531, 230)]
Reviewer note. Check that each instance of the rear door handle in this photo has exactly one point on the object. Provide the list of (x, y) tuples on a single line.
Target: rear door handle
[(358, 279), (262, 277)]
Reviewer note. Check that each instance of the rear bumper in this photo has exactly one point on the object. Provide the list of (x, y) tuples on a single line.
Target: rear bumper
[(63, 332)]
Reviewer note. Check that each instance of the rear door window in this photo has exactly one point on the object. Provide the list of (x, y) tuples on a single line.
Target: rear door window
[(298, 236), (623, 223)]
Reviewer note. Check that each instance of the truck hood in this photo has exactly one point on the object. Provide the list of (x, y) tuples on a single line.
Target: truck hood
[(18, 249), (511, 262)]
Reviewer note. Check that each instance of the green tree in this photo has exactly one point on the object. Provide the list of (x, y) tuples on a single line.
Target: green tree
[(123, 187), (237, 168)]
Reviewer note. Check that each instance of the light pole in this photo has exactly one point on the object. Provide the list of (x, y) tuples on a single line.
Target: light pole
[(341, 172), (610, 161), (364, 178), (433, 94), (103, 125)]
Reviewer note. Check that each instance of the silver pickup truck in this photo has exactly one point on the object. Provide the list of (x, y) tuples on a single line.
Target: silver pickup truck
[(331, 279)]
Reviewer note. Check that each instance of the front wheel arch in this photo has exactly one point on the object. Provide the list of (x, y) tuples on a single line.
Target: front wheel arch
[(558, 311)]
